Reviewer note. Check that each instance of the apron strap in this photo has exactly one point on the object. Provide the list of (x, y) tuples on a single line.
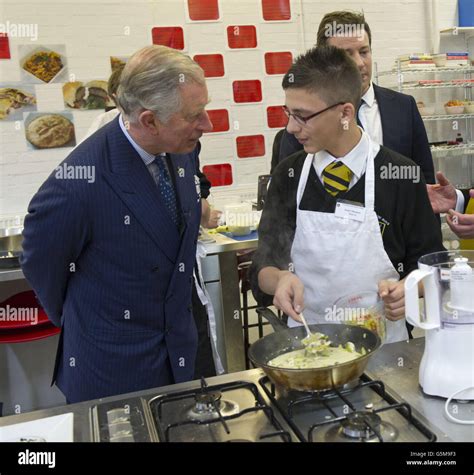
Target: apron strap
[(370, 173)]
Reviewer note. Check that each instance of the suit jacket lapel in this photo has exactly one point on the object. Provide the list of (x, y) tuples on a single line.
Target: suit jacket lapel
[(131, 180), (389, 111)]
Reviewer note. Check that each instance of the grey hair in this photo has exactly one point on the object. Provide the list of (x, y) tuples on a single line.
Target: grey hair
[(151, 80)]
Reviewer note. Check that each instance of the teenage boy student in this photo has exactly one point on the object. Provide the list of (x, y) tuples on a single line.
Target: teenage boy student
[(345, 214)]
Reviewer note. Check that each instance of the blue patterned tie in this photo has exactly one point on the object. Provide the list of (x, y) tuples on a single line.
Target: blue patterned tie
[(166, 188)]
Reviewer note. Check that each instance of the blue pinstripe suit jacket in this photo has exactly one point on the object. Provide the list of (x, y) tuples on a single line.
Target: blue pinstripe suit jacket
[(109, 266)]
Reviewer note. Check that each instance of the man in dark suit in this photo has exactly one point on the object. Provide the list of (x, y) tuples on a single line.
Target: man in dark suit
[(111, 257), (458, 204), (390, 118)]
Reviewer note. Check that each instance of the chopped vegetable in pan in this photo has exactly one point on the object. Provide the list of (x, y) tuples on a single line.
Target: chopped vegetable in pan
[(317, 354)]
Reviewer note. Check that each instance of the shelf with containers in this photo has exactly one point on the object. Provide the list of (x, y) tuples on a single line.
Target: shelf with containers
[(445, 129), (456, 130)]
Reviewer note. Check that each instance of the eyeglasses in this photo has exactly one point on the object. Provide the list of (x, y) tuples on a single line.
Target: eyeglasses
[(303, 120)]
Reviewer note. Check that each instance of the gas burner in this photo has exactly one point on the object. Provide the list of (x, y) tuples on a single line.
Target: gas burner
[(338, 433), (361, 425), (210, 405)]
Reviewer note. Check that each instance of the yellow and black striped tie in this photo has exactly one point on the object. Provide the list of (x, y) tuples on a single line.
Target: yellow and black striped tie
[(336, 178)]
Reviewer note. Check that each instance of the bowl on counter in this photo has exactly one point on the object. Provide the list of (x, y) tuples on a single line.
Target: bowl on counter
[(452, 110), (365, 309)]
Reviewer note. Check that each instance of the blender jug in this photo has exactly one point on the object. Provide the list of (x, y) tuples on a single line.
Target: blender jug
[(447, 366)]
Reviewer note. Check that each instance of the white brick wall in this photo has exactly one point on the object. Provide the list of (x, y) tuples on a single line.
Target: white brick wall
[(93, 30)]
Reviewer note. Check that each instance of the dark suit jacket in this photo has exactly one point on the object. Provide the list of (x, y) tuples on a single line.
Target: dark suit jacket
[(467, 197), (113, 271), (402, 126)]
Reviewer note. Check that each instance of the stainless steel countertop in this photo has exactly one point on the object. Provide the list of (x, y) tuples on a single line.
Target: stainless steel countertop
[(396, 364), (222, 243), (7, 275)]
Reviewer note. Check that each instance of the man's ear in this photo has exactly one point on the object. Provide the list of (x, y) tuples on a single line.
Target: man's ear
[(149, 122)]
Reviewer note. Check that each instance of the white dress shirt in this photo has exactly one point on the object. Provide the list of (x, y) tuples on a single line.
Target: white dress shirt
[(369, 116), (355, 160)]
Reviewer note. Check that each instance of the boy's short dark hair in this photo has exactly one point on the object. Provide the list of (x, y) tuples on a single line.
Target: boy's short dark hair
[(327, 71), (354, 19)]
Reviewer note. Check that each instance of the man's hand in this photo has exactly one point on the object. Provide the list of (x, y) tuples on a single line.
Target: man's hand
[(442, 195), (393, 295), (214, 218), (209, 217), (289, 295), (461, 224)]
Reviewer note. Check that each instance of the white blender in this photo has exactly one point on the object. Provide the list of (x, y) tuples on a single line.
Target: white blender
[(447, 366)]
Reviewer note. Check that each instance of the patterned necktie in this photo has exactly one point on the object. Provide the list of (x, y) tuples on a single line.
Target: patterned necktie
[(336, 178), (166, 188)]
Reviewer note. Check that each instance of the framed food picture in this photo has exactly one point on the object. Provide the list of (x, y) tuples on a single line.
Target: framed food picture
[(87, 95), (45, 130), (43, 64), (117, 62), (15, 100)]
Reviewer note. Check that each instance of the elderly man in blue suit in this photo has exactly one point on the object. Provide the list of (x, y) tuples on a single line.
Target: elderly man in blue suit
[(111, 257), (390, 118)]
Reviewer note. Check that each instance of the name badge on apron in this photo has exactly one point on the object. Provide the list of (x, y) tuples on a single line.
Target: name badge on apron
[(350, 210)]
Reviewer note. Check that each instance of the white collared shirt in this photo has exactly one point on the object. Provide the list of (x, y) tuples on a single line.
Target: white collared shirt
[(148, 158), (369, 116), (355, 160)]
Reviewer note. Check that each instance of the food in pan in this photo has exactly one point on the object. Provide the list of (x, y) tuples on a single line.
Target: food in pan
[(45, 65), (49, 131), (92, 95), (11, 99), (317, 354)]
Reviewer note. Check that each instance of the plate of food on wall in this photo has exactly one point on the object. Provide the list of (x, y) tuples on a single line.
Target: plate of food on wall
[(16, 99), (43, 64), (87, 95), (46, 130)]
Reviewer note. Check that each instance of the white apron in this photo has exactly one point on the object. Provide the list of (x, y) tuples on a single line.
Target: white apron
[(206, 301), (336, 256)]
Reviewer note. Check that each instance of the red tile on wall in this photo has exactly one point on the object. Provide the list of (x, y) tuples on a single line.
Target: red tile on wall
[(200, 10), (247, 91), (4, 46), (250, 146), (274, 10), (276, 117), (219, 119), (278, 63), (213, 64), (242, 36), (171, 36), (219, 175)]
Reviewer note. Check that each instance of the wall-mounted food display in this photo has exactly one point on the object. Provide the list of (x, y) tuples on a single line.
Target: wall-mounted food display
[(15, 99), (117, 62), (49, 130), (89, 95), (43, 64)]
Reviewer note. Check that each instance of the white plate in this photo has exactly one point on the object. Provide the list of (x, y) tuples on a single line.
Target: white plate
[(49, 429)]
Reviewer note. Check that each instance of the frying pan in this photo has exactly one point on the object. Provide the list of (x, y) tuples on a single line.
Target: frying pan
[(286, 339)]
